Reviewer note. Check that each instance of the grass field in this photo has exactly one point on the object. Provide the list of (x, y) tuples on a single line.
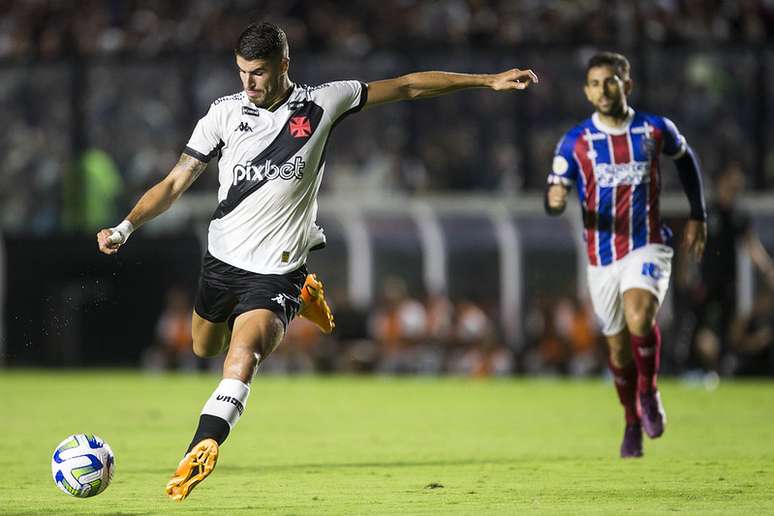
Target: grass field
[(376, 446)]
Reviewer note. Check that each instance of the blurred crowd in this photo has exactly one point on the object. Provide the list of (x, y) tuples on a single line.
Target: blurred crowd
[(99, 97), (404, 334), (53, 28)]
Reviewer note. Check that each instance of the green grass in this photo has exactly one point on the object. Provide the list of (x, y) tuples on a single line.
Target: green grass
[(374, 445)]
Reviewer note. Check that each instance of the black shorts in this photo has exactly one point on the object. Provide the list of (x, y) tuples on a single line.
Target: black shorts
[(225, 292)]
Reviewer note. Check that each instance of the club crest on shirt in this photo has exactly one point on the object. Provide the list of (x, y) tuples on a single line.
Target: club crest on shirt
[(300, 126), (648, 146)]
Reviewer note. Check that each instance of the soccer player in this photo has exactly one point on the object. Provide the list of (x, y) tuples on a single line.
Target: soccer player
[(271, 138), (613, 159)]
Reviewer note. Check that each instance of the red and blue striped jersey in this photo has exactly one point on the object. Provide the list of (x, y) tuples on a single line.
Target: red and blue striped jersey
[(617, 172)]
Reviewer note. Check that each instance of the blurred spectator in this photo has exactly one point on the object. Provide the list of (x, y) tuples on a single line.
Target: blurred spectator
[(92, 190), (575, 324), (563, 338), (173, 346), (752, 339), (480, 352), (713, 285), (398, 326)]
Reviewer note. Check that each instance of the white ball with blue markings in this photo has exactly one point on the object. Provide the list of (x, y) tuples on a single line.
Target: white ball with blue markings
[(83, 465)]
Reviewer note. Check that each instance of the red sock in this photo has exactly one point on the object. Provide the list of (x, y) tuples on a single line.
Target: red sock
[(647, 356), (625, 381)]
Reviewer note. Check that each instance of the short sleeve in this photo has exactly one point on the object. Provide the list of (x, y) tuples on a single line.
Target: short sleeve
[(674, 142), (564, 168), (344, 97), (205, 142)]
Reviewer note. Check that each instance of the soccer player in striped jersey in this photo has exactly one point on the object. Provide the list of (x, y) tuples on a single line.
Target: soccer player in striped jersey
[(613, 159), (271, 138)]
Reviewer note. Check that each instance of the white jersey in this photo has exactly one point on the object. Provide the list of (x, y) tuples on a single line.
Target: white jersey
[(270, 167)]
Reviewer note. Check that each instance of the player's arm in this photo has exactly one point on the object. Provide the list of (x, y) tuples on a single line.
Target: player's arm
[(555, 200), (695, 233), (564, 171), (154, 202), (431, 84), (759, 256)]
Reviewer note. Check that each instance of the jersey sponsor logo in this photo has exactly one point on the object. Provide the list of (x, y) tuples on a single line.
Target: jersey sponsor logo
[(276, 159), (300, 127), (634, 173), (244, 127), (228, 399), (250, 111), (269, 171)]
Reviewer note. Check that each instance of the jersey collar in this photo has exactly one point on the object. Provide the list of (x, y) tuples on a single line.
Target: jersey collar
[(613, 130), (280, 103)]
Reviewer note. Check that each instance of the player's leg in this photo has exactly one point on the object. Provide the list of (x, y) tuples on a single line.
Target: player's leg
[(624, 371), (209, 338), (644, 284), (213, 306), (255, 335), (605, 297), (640, 308)]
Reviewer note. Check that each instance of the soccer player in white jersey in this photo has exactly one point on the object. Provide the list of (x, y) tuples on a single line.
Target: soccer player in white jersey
[(613, 159), (271, 138)]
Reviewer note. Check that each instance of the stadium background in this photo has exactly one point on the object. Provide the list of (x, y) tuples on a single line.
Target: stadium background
[(439, 257)]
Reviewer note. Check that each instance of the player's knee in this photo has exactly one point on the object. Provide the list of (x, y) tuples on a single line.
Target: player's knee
[(208, 347), (640, 319)]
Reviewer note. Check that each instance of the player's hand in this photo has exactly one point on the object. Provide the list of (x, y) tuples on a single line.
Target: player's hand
[(514, 79), (109, 241), (557, 197), (694, 238)]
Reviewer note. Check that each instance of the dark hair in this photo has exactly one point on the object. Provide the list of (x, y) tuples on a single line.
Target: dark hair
[(262, 41), (616, 61)]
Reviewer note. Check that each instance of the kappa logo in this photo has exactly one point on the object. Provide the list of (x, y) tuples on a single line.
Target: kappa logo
[(280, 300), (300, 127), (244, 127)]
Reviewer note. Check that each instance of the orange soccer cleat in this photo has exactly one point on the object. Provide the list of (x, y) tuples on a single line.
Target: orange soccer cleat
[(195, 467), (313, 304)]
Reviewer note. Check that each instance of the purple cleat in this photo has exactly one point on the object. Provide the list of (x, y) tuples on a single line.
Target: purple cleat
[(652, 413), (631, 446)]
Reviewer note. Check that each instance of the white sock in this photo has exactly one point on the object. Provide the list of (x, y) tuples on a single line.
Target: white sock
[(228, 401)]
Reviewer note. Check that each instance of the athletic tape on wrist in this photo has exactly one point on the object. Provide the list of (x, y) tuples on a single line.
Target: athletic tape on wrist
[(228, 401), (121, 232)]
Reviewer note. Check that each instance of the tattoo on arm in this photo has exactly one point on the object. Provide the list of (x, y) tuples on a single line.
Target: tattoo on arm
[(191, 165)]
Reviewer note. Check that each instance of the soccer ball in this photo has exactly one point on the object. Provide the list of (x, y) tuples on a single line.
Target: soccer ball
[(83, 465)]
